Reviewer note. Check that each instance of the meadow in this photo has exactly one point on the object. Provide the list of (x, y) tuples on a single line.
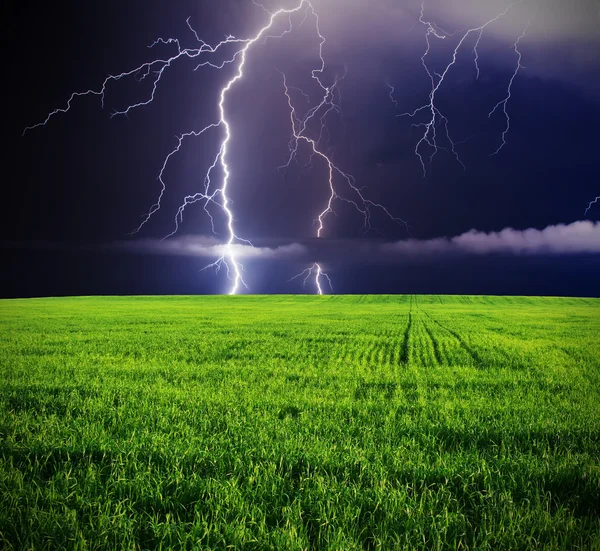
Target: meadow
[(296, 423)]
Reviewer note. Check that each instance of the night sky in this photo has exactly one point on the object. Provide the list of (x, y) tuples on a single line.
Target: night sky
[(75, 189)]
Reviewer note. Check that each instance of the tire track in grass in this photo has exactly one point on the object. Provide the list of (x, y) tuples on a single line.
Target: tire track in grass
[(468, 349), (405, 350), (435, 344), (429, 354), (407, 379)]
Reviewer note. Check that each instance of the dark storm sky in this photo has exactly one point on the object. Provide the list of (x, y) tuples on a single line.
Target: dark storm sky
[(75, 189)]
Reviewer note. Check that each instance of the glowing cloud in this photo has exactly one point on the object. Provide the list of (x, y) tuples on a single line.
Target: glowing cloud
[(578, 237), (203, 246)]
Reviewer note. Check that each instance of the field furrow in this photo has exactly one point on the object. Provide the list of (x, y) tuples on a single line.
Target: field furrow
[(450, 344)]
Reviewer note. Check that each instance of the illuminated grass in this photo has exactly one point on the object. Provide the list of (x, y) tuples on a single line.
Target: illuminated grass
[(282, 423)]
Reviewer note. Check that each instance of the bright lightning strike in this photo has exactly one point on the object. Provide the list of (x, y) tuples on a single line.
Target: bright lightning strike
[(218, 195), (437, 118)]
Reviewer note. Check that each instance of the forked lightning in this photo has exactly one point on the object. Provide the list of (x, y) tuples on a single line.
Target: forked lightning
[(217, 195), (436, 118)]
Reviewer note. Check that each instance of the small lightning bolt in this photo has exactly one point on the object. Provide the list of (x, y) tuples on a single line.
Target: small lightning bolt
[(593, 202), (505, 101), (319, 275), (430, 134), (392, 91)]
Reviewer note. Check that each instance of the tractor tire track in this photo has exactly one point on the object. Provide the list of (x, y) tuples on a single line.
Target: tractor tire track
[(405, 351), (434, 342), (468, 349)]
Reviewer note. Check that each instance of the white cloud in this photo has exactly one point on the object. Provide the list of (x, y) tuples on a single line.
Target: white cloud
[(578, 237), (202, 246)]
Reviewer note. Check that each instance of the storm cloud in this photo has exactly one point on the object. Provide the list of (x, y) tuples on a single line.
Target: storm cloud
[(561, 41), (553, 19), (578, 237), (210, 247)]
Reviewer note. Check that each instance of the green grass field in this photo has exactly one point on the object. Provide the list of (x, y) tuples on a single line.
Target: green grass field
[(346, 423)]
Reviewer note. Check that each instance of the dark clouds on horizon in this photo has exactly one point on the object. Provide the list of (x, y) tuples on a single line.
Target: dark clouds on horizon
[(582, 237), (529, 261)]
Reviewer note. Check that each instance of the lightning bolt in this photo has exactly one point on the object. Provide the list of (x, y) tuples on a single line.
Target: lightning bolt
[(319, 275), (392, 91), (430, 135), (216, 195), (592, 202), (505, 101), (301, 134)]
